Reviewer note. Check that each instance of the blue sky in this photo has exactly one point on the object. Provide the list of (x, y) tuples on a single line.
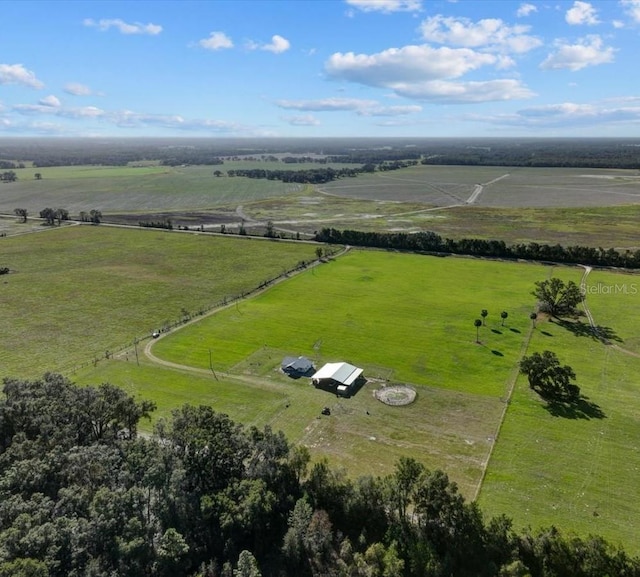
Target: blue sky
[(325, 68)]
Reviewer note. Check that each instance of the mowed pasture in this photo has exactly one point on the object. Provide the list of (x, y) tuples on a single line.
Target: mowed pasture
[(76, 292), (577, 468)]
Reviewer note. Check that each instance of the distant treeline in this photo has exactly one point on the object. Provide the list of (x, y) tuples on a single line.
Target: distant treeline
[(557, 152), (430, 242)]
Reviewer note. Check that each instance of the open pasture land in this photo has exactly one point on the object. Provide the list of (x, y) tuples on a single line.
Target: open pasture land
[(133, 189), (403, 318), (578, 468), (502, 186), (412, 316), (76, 292)]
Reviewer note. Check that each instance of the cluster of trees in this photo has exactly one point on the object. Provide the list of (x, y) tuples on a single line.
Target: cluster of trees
[(308, 176), (94, 216), (166, 224), (8, 176), (51, 215), (432, 242), (81, 493), (9, 165), (560, 152)]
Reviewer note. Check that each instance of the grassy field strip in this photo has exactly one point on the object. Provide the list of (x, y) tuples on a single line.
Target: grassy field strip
[(576, 469), (511, 384)]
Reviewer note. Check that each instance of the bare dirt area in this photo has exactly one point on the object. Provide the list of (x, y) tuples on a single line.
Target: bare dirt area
[(396, 395)]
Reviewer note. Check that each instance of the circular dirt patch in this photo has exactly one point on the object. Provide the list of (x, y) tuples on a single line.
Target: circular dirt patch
[(396, 395)]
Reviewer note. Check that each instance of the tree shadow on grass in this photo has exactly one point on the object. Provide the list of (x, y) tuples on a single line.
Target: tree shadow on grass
[(496, 331), (515, 330), (583, 408), (597, 333), (546, 333), (497, 353)]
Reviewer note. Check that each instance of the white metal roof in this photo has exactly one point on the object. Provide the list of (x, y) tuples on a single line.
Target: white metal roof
[(341, 372)]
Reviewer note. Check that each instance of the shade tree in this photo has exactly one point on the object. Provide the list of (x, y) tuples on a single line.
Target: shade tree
[(557, 297), (549, 378)]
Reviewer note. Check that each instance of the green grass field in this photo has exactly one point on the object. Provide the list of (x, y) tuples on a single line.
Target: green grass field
[(578, 471), (382, 310), (78, 291), (133, 189), (403, 318)]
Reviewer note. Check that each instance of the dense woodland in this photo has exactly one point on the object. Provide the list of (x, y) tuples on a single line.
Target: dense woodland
[(558, 152), (83, 494)]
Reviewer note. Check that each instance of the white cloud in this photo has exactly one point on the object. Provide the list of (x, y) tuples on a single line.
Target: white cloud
[(445, 91), (361, 107), (216, 41), (526, 10), (123, 27), (588, 51), (406, 64), (426, 73), (50, 101), (569, 114), (277, 46), (83, 112), (306, 120), (386, 6), (632, 8), (402, 110), (327, 104), (77, 89), (18, 74), (490, 33), (582, 13)]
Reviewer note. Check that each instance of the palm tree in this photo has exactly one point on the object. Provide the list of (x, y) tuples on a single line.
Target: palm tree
[(533, 317), (477, 323), (484, 314), (503, 316)]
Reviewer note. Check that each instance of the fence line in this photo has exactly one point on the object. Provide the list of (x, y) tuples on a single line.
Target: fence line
[(169, 326)]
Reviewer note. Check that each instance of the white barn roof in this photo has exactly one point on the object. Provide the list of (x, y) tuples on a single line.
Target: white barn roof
[(340, 372)]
